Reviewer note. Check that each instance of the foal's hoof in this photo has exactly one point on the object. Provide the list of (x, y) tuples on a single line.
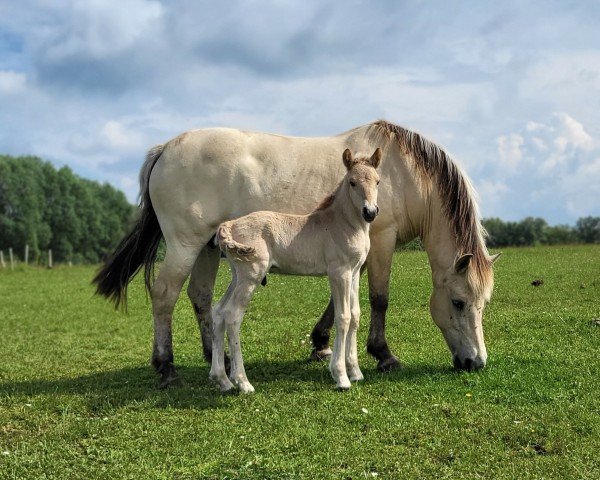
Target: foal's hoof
[(319, 355), (388, 364), (344, 387)]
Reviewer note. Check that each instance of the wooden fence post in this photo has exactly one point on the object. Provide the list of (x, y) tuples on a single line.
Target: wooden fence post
[(49, 258), (2, 264), (26, 254), (12, 261)]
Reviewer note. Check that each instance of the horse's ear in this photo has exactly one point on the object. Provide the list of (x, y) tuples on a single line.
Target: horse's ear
[(493, 258), (376, 158), (461, 264), (347, 157)]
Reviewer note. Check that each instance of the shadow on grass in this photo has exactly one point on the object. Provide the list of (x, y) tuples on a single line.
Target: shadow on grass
[(109, 390)]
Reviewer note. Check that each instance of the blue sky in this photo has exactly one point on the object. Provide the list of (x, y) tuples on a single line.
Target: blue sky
[(511, 88)]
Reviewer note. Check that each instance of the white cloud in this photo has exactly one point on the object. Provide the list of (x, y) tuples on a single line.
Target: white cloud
[(12, 82), (101, 28), (509, 149)]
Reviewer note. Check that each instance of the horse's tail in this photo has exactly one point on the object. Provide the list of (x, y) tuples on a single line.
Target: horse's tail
[(137, 248), (227, 244)]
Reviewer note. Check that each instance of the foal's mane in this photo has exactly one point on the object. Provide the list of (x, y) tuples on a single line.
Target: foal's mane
[(435, 167)]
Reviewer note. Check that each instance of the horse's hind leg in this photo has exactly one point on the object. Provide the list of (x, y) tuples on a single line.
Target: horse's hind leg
[(165, 291), (200, 290), (320, 334), (379, 264)]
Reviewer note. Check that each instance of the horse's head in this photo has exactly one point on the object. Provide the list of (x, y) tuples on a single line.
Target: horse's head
[(457, 309), (362, 179)]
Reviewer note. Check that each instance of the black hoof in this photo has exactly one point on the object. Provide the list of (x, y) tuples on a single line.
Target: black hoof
[(388, 364), (319, 355), (170, 381), (168, 374)]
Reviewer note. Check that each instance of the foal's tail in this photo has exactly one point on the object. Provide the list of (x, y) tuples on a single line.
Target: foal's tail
[(227, 244), (136, 249)]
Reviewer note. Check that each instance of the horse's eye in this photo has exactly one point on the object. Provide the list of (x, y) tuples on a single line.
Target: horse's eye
[(377, 182), (459, 304), (352, 184)]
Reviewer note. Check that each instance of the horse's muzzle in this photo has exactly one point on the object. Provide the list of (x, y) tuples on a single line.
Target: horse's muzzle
[(468, 364), (369, 213)]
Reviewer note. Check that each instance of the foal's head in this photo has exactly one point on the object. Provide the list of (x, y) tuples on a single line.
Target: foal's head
[(362, 180)]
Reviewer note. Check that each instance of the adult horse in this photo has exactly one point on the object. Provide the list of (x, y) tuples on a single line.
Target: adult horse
[(201, 178)]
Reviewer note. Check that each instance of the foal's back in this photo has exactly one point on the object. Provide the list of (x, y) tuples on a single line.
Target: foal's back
[(286, 243)]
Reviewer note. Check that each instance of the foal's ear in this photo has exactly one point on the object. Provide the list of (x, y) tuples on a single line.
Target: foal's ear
[(347, 157), (376, 158)]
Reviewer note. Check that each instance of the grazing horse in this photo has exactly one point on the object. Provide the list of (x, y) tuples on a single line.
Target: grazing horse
[(202, 178), (333, 240)]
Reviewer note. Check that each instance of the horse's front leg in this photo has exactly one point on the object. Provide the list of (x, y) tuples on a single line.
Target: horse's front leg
[(379, 264), (341, 287), (354, 373)]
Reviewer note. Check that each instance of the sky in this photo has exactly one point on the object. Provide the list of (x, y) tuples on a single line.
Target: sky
[(511, 89)]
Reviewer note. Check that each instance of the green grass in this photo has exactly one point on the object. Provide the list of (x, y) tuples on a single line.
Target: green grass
[(79, 400)]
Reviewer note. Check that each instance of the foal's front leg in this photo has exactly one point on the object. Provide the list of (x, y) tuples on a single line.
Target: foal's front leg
[(341, 286), (352, 367)]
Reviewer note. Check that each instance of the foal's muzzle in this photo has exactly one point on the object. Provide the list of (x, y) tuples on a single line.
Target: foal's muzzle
[(369, 213)]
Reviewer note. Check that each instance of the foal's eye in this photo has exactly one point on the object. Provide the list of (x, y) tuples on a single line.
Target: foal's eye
[(352, 184), (377, 182), (459, 304)]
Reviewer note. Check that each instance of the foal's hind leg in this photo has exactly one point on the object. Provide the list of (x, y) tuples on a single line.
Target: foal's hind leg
[(165, 291), (379, 263), (200, 291), (234, 314)]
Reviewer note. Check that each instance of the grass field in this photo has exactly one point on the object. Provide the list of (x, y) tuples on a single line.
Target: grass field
[(79, 400)]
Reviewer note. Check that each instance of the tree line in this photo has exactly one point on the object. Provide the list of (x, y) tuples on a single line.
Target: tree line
[(53, 209), (536, 231)]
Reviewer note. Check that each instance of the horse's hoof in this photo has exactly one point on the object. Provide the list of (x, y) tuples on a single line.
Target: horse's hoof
[(388, 364), (320, 355)]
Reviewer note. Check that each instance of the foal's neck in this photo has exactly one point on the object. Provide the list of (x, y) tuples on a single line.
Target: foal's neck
[(344, 210)]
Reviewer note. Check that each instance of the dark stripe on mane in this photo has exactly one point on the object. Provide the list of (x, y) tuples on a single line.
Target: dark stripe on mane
[(434, 165)]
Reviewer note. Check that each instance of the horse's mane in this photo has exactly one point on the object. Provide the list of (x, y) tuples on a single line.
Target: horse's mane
[(435, 167)]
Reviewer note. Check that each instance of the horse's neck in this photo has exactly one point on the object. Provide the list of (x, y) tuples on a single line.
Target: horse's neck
[(437, 238)]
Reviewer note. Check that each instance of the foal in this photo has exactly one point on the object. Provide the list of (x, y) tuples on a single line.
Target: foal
[(333, 240)]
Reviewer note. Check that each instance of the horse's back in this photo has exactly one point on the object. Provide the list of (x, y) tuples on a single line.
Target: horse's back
[(206, 176)]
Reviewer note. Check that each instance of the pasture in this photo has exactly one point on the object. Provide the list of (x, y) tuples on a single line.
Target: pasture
[(78, 398)]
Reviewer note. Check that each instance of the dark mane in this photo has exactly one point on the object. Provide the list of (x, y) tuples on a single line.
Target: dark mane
[(436, 167), (326, 202)]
